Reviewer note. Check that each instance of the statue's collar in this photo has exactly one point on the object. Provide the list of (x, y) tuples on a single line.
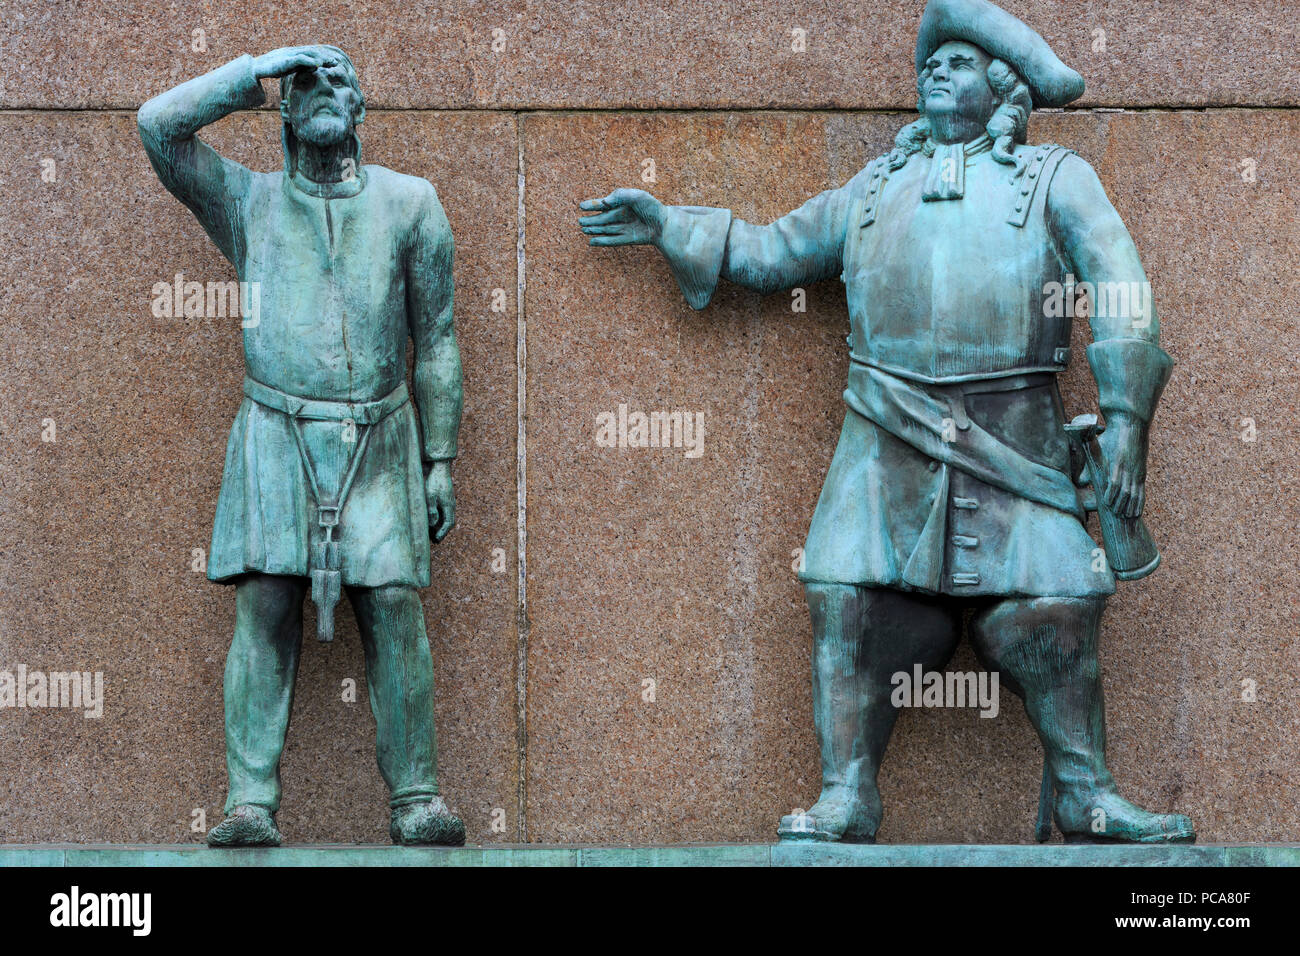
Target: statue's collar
[(343, 189), (947, 176), (980, 144)]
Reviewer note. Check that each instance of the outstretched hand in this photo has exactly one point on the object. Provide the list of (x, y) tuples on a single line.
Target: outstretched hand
[(626, 217)]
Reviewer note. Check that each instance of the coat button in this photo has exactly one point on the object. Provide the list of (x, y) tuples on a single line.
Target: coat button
[(933, 466)]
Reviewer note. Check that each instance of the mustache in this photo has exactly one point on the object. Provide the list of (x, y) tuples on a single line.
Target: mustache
[(322, 109)]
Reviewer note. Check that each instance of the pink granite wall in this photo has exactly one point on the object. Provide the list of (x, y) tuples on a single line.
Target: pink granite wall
[(642, 565)]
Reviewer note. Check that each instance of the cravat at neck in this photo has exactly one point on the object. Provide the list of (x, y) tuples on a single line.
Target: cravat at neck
[(947, 176)]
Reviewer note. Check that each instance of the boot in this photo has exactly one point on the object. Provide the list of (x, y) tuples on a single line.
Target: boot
[(861, 637), (1048, 646), (245, 825), (842, 814), (425, 824), (1103, 816)]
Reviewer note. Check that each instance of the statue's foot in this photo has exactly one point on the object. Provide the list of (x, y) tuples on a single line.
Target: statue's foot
[(245, 825), (840, 815), (424, 824), (1106, 817)]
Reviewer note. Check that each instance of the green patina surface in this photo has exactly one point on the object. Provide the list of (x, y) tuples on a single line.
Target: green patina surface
[(338, 472), (781, 854), (957, 498)]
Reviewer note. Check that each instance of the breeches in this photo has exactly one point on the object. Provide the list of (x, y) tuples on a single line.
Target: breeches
[(1034, 642)]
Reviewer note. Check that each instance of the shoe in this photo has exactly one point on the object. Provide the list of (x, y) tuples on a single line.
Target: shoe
[(1106, 817), (839, 816), (245, 825), (426, 824)]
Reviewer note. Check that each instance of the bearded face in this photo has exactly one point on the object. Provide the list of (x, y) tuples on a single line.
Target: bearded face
[(323, 106)]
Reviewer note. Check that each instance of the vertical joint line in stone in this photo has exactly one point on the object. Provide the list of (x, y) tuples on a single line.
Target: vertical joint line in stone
[(521, 492)]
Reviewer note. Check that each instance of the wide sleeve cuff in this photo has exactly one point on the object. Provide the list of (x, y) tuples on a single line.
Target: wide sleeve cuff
[(1131, 374), (694, 241)]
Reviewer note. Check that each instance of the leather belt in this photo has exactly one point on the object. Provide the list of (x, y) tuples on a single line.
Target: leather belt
[(312, 409), (1004, 381)]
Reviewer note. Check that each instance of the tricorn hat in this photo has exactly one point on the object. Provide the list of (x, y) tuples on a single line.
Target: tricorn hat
[(1001, 35)]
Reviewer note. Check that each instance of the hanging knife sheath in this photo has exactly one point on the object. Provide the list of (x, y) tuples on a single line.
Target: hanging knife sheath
[(357, 419), (326, 577)]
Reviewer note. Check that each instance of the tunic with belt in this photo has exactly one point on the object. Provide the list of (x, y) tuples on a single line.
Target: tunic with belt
[(952, 474), (346, 273)]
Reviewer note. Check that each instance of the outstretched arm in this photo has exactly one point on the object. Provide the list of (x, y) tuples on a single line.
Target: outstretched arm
[(1130, 367), (702, 243), (207, 183), (437, 378)]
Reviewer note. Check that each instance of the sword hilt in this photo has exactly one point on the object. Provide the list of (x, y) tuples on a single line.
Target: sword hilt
[(1084, 428)]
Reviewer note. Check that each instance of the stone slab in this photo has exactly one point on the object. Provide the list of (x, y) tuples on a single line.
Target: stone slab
[(739, 854), (645, 565), (729, 855), (642, 567), (1058, 855), (97, 528), (20, 856), (316, 856), (592, 54)]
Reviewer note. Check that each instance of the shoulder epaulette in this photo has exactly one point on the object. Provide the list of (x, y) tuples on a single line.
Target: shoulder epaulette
[(875, 185), (1040, 167)]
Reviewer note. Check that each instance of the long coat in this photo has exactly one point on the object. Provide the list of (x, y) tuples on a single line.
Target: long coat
[(952, 474)]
